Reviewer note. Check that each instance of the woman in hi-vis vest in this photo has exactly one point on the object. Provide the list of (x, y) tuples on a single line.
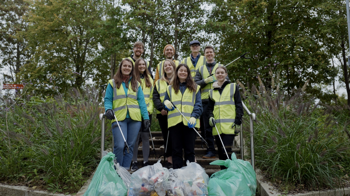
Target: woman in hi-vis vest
[(159, 92), (124, 100), (184, 94), (146, 81), (225, 110)]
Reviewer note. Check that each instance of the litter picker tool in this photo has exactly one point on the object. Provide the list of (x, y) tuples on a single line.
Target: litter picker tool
[(242, 57), (222, 143), (154, 150), (206, 143), (120, 129)]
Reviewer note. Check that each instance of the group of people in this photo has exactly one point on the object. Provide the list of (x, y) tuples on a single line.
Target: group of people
[(193, 94)]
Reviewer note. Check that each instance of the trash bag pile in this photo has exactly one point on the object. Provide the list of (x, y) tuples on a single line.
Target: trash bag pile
[(238, 179), (106, 181), (190, 180)]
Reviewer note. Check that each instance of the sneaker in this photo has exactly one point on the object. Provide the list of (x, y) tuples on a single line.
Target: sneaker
[(145, 164), (167, 165), (134, 166), (209, 155)]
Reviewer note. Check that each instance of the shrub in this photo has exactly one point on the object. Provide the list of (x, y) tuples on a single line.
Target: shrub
[(51, 143)]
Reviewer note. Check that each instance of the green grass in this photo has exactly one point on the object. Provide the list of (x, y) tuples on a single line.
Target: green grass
[(299, 144), (53, 144)]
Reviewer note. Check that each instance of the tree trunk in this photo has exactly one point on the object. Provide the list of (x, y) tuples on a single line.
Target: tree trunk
[(345, 71)]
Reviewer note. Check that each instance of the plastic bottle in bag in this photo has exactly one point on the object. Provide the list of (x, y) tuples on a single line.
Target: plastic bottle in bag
[(155, 177)]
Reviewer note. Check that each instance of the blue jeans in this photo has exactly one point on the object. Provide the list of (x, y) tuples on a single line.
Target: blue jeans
[(130, 129)]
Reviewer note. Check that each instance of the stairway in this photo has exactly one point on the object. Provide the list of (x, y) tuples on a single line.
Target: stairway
[(199, 151)]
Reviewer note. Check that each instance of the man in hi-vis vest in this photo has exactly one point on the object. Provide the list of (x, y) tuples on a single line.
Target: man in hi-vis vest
[(169, 52), (138, 50), (195, 60), (204, 78)]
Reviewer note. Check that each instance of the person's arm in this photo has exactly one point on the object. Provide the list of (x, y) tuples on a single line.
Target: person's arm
[(151, 105), (210, 108), (197, 109), (142, 104), (156, 100), (239, 106), (198, 79), (109, 97)]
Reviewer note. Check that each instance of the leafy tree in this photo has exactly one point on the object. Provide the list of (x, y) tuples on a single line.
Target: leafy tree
[(12, 46), (65, 37), (282, 36), (162, 22)]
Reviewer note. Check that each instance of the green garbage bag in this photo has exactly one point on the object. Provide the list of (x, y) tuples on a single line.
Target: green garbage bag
[(238, 179), (106, 181)]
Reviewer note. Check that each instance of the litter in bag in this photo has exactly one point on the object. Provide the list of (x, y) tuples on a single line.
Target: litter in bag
[(124, 174), (238, 179), (190, 180), (149, 180), (106, 181)]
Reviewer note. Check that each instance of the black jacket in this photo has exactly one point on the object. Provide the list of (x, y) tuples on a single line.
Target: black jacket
[(238, 103), (156, 99)]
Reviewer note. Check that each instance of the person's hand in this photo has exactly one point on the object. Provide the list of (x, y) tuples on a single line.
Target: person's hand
[(164, 112), (110, 114), (238, 121), (209, 79), (212, 121), (168, 105), (146, 125), (192, 122)]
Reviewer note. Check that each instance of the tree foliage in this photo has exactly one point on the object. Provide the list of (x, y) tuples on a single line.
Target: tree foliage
[(284, 37)]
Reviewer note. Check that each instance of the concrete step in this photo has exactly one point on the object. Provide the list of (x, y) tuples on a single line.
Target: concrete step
[(199, 151)]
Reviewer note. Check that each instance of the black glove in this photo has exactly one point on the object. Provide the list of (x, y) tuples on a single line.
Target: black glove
[(110, 114), (146, 125), (238, 121)]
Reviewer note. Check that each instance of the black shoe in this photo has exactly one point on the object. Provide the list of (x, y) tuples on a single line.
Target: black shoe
[(167, 165), (145, 164), (134, 166)]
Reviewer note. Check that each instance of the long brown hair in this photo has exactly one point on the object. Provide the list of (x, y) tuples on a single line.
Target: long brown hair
[(164, 76), (118, 77), (146, 73), (190, 84)]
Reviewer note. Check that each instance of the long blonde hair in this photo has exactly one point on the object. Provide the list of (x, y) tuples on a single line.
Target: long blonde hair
[(164, 76)]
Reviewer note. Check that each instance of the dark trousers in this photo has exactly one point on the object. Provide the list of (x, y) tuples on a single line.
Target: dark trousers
[(163, 123), (183, 138), (207, 129), (228, 142)]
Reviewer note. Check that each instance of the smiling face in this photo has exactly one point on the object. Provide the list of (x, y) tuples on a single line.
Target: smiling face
[(209, 55), (220, 74), (182, 73), (168, 68), (195, 48), (142, 66), (126, 68), (138, 50), (169, 52)]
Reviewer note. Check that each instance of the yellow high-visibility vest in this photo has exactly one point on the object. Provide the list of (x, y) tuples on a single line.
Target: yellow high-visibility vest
[(184, 102), (203, 70), (161, 87), (148, 94), (224, 109), (201, 61), (160, 67), (123, 103)]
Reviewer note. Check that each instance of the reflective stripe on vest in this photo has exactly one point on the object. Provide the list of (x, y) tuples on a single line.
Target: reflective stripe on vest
[(203, 70), (147, 93), (160, 67), (185, 103), (201, 61), (161, 87), (224, 109), (123, 103)]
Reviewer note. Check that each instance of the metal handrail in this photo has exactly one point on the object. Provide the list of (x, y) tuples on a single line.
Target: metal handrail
[(252, 117), (102, 118)]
